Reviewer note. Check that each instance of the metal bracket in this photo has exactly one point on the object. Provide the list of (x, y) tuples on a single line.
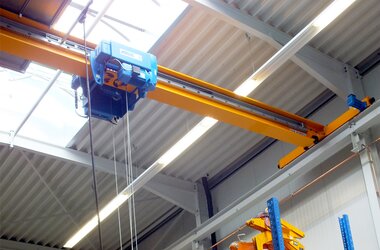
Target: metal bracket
[(357, 142)]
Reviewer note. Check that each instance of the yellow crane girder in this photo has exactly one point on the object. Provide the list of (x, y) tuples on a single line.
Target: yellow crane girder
[(70, 61)]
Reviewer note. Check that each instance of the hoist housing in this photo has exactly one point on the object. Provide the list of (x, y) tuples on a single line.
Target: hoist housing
[(120, 74)]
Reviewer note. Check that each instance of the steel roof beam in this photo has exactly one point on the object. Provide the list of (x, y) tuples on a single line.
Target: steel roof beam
[(327, 70), (174, 190)]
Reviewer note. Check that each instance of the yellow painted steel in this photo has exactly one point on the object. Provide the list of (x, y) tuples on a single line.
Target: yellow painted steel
[(69, 61), (284, 161), (342, 119), (73, 62), (28, 22), (263, 240), (205, 106), (328, 129), (42, 52), (313, 126)]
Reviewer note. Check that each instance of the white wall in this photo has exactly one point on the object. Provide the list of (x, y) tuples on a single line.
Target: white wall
[(371, 83)]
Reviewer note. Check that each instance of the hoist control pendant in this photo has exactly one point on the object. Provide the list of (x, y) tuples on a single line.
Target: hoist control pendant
[(119, 73)]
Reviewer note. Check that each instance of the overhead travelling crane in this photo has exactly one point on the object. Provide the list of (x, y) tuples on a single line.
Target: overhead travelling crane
[(31, 40)]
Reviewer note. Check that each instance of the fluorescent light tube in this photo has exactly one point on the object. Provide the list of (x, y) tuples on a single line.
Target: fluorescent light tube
[(185, 142), (294, 45), (247, 87), (331, 12), (91, 224)]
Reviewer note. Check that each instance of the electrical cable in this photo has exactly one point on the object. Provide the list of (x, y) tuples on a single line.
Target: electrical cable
[(90, 133)]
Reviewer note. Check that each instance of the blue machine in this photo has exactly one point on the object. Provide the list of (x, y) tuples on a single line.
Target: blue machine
[(121, 76), (275, 223), (345, 230)]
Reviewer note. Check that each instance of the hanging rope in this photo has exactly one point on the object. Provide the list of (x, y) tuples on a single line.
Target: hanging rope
[(116, 186), (130, 174), (90, 132)]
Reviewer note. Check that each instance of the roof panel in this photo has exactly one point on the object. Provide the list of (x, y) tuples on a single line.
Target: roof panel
[(30, 210), (350, 38)]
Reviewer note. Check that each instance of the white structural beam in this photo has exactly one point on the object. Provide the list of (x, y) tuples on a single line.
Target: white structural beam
[(178, 192), (181, 193), (303, 164), (327, 70), (16, 245), (200, 216), (359, 141)]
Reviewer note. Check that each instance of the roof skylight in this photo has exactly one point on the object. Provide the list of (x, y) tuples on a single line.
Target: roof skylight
[(54, 121), (138, 24)]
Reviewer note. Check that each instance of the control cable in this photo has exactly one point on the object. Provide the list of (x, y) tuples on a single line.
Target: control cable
[(83, 21)]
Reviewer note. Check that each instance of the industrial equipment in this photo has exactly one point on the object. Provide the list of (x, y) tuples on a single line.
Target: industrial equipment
[(268, 239), (30, 40), (355, 106), (120, 77)]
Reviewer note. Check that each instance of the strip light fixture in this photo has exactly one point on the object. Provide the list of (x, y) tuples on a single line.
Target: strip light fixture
[(277, 60), (184, 143), (294, 45)]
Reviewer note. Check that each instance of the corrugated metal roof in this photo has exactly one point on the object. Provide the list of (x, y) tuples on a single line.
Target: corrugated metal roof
[(46, 200), (202, 46), (350, 38)]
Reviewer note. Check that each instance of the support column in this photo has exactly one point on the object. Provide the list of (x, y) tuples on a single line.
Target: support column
[(375, 157), (359, 142), (201, 215), (354, 82)]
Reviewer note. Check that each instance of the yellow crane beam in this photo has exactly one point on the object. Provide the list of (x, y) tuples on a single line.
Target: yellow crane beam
[(73, 62)]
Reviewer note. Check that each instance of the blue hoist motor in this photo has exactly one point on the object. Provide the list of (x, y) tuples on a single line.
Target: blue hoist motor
[(120, 77)]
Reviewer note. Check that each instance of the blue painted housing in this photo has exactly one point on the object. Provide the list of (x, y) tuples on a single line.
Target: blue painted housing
[(133, 68), (352, 101)]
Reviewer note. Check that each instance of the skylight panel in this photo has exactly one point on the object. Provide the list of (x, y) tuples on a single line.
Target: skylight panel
[(54, 121), (138, 24)]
